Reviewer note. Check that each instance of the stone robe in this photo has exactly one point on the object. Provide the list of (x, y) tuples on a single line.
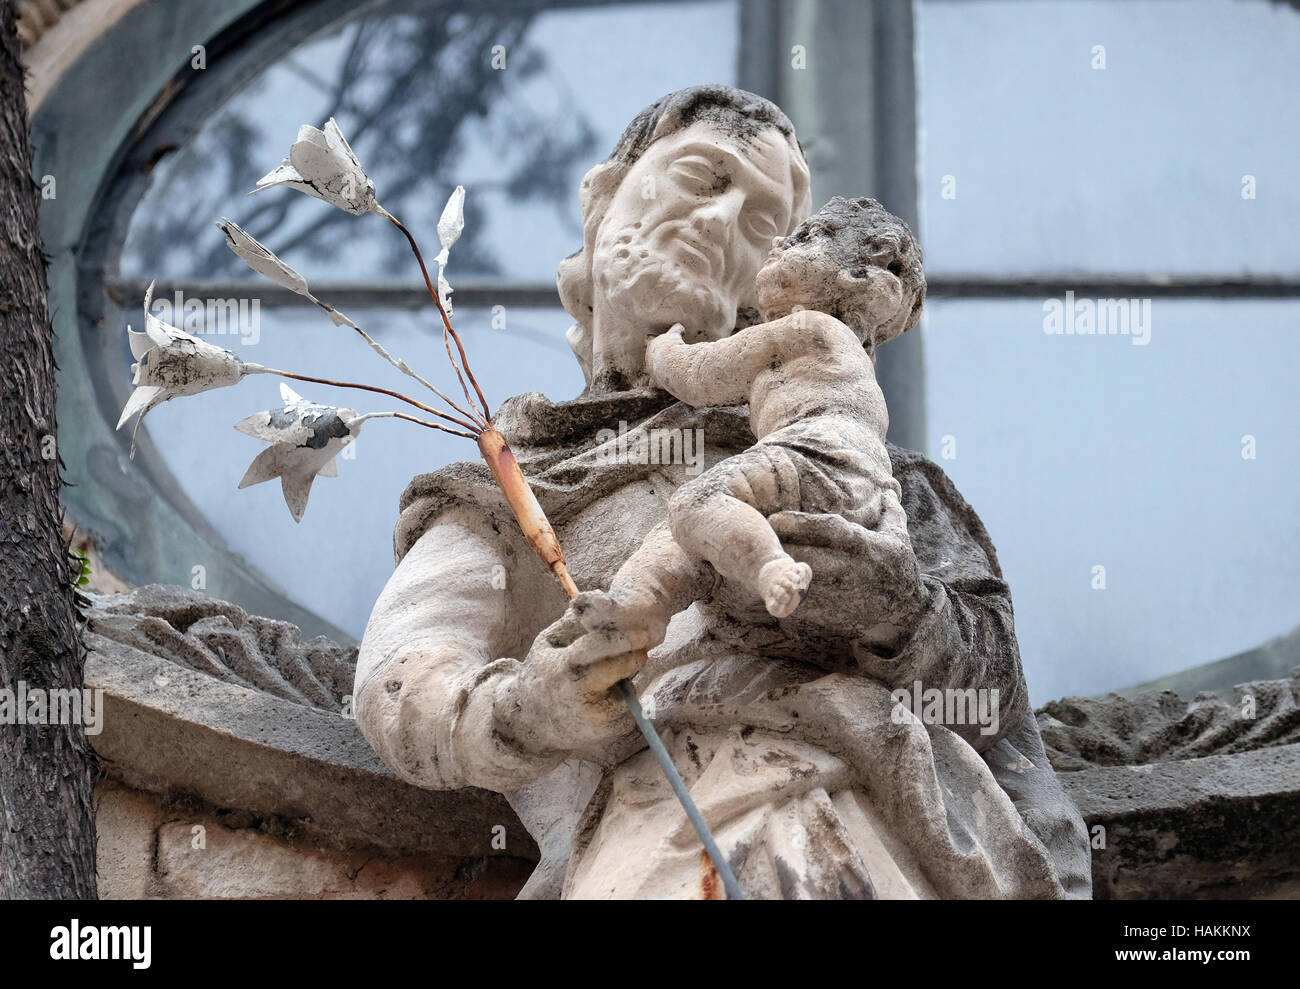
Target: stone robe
[(784, 730)]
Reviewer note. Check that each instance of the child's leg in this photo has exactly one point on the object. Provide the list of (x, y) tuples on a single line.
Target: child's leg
[(721, 516), (658, 580)]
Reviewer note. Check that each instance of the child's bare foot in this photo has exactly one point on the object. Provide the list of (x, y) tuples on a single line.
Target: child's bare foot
[(627, 614), (783, 584)]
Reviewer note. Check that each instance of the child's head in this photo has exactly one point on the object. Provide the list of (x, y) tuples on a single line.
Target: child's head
[(853, 260)]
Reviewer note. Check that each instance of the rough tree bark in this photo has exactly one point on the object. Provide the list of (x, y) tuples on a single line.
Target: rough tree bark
[(47, 847)]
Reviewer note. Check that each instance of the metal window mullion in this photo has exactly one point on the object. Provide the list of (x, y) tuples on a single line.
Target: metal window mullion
[(853, 105)]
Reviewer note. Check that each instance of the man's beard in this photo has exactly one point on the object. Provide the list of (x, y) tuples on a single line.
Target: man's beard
[(658, 291)]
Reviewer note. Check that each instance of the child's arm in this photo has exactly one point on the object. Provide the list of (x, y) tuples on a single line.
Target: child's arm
[(702, 374), (723, 372)]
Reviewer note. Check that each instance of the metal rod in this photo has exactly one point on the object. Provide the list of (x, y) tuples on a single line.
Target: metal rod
[(537, 530), (683, 795)]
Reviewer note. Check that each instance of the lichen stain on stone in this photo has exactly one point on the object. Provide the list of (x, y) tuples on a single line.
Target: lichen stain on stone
[(710, 884)]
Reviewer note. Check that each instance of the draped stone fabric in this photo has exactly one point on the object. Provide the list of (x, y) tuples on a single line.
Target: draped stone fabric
[(785, 730), (1160, 726)]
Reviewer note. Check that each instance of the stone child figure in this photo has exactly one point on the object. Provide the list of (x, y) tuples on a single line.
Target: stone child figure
[(847, 280)]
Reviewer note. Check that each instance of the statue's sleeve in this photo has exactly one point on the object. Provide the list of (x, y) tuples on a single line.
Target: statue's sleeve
[(965, 634), (428, 678), (966, 638)]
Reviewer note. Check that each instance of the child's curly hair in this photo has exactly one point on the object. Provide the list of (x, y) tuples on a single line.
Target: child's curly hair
[(861, 233)]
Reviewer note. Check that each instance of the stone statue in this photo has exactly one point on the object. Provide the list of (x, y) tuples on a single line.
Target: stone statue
[(784, 700)]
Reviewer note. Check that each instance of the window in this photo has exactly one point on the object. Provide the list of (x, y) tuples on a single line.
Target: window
[(426, 103), (1130, 152), (1133, 157)]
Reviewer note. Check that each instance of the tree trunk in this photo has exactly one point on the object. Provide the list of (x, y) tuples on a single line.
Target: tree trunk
[(47, 846)]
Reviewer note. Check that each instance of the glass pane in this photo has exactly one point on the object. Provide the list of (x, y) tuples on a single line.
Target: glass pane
[(419, 99), (422, 105), (1032, 160), (347, 531), (1081, 451)]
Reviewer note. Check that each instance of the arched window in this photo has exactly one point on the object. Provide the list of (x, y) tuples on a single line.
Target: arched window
[(1126, 156), (516, 100)]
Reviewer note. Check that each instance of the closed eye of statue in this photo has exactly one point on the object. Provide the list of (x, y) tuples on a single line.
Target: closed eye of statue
[(759, 225), (694, 173)]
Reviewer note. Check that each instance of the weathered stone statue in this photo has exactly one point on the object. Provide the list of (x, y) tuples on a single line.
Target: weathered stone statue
[(852, 579)]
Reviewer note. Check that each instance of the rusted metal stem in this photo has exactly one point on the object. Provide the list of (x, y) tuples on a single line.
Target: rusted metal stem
[(449, 332), (258, 369)]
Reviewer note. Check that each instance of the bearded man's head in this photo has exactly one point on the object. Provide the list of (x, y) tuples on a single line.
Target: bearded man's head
[(677, 222)]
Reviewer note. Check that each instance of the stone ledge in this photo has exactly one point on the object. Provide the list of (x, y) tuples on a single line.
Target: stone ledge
[(153, 848), (1159, 726), (170, 730), (1214, 827), (236, 719)]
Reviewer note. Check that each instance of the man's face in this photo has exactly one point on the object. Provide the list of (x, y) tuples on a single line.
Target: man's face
[(690, 224)]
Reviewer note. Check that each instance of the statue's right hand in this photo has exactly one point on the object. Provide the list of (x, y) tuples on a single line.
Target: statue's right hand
[(565, 696)]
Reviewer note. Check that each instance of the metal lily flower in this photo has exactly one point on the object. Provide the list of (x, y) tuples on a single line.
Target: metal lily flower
[(322, 164), (264, 261), (170, 364), (305, 438), (261, 259), (450, 226)]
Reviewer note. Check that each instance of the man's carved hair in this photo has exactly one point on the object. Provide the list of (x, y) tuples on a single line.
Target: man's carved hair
[(729, 109)]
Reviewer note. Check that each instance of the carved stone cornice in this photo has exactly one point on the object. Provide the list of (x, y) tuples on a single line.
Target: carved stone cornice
[(1080, 732), (205, 701), (224, 641), (1195, 798)]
